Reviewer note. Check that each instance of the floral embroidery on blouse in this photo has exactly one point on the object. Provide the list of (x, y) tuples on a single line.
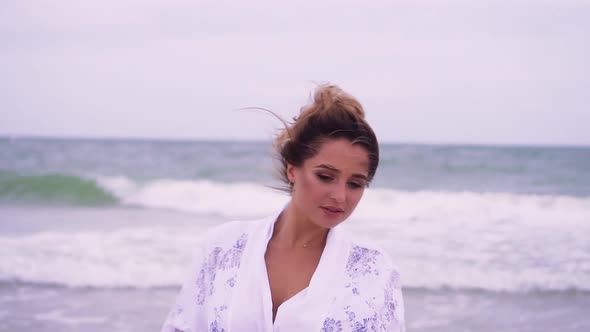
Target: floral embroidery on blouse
[(331, 325), (364, 324), (367, 324), (219, 259), (177, 314), (361, 262), (392, 287), (216, 325), (231, 282)]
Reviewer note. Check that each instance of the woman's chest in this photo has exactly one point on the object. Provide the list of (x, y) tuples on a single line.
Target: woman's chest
[(289, 272)]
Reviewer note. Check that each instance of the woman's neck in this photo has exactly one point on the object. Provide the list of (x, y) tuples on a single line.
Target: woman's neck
[(294, 230)]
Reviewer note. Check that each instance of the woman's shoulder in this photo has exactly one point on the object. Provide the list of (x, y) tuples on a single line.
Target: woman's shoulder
[(369, 261), (235, 232), (231, 231)]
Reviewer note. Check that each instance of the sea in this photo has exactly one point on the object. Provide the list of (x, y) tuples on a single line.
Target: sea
[(97, 234)]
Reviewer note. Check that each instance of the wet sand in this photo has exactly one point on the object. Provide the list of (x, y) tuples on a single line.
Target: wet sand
[(28, 307)]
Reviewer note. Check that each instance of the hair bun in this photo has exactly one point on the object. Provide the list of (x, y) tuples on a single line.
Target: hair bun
[(329, 97)]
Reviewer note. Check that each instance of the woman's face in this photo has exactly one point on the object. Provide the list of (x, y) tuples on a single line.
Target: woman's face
[(329, 185)]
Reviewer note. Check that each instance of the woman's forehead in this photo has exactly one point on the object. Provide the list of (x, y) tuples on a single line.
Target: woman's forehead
[(342, 155)]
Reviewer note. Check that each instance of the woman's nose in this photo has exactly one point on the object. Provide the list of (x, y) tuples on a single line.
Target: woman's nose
[(338, 192)]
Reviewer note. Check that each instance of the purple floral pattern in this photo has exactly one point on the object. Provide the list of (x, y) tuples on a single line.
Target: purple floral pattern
[(391, 301), (365, 269), (219, 259), (331, 325), (176, 314), (361, 262), (216, 324)]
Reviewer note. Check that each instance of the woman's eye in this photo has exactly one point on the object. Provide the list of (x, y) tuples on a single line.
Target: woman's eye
[(324, 178), (355, 185)]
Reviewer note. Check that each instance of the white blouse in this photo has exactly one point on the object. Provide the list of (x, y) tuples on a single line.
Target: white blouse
[(354, 287)]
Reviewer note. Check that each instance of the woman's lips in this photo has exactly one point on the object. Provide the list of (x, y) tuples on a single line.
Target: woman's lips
[(332, 211)]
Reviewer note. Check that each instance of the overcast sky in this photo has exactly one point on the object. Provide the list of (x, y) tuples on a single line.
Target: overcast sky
[(507, 72)]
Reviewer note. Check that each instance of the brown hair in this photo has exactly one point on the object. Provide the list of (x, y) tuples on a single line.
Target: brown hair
[(333, 113)]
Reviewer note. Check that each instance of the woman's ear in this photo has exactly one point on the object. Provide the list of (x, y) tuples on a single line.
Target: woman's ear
[(291, 173)]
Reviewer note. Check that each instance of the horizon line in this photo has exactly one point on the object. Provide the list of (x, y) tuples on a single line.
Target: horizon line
[(260, 140)]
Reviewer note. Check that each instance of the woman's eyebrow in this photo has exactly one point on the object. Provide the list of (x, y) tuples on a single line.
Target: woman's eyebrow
[(328, 167), (334, 169)]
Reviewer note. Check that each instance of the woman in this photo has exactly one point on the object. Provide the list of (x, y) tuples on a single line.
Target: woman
[(296, 270)]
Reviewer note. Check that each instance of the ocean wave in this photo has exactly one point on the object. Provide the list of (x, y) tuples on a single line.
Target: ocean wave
[(233, 200), (247, 200), (161, 256), (250, 200), (52, 189), (120, 258), (439, 240)]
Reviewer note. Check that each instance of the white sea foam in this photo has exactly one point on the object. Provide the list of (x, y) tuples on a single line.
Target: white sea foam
[(233, 200), (470, 207), (160, 256), (244, 200), (121, 258), (497, 242)]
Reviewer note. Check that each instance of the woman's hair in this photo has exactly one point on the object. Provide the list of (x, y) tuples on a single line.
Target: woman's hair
[(332, 114)]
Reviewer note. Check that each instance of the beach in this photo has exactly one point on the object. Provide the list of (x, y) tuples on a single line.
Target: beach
[(44, 308), (97, 235)]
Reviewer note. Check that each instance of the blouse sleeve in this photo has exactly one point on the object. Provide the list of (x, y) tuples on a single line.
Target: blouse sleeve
[(188, 312), (394, 310)]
